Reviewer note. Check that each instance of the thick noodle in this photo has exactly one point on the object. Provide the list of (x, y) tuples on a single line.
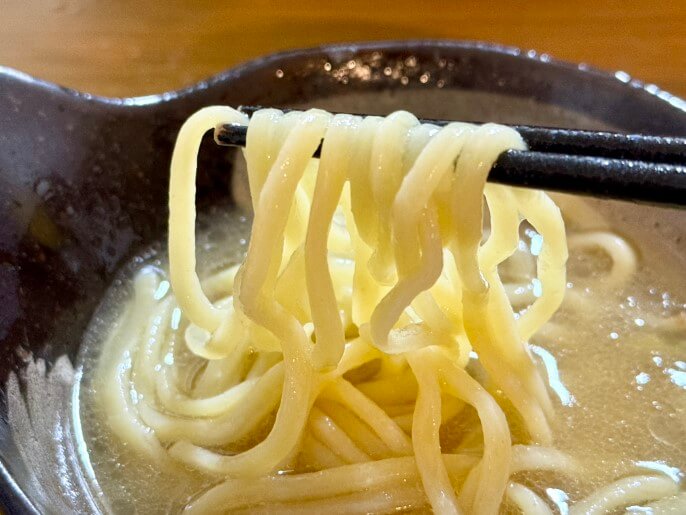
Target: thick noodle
[(318, 374)]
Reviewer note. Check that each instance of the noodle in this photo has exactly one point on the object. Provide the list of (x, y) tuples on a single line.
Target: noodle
[(319, 374), (526, 500), (630, 490)]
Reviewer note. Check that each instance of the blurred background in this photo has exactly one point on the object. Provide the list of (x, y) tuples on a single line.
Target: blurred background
[(138, 47)]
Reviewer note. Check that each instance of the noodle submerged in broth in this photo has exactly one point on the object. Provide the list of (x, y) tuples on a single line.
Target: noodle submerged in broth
[(379, 346)]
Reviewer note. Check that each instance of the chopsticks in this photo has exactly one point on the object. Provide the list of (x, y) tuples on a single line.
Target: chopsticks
[(632, 167)]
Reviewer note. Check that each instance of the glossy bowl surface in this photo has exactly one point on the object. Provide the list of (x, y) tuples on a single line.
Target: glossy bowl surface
[(83, 179)]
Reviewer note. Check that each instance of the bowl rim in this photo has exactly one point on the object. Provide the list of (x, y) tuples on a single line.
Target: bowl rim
[(484, 47), (12, 495)]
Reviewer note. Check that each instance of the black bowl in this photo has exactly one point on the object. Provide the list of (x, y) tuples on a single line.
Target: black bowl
[(83, 179)]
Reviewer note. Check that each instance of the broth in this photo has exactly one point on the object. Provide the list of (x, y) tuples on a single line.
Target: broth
[(616, 373)]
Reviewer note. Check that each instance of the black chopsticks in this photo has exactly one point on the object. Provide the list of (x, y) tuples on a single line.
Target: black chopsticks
[(633, 167)]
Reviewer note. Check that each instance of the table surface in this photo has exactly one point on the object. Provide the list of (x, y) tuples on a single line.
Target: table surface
[(133, 47)]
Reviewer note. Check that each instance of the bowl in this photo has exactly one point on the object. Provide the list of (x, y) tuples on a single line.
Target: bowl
[(83, 186)]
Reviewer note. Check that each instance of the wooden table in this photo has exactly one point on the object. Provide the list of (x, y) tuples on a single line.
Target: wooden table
[(135, 47)]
